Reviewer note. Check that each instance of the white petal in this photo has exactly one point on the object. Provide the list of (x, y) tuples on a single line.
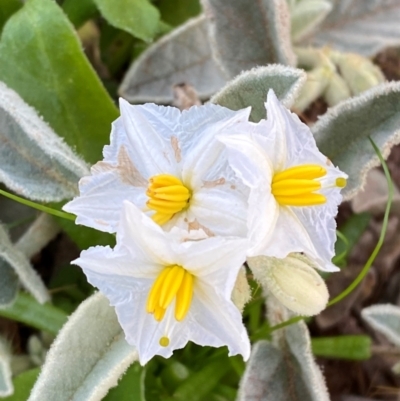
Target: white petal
[(143, 238), (149, 129), (222, 210), (215, 320), (252, 164), (100, 202), (202, 151)]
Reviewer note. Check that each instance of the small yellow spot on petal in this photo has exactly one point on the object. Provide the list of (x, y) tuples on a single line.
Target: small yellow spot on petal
[(164, 341), (341, 182)]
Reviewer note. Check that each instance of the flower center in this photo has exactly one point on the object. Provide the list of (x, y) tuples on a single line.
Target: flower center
[(173, 282), (167, 196), (296, 186)]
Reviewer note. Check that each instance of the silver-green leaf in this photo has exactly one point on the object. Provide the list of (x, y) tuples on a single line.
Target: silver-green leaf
[(365, 27), (35, 162), (284, 372), (385, 319), (306, 15), (14, 258), (251, 87), (184, 55), (247, 34), (88, 356), (342, 133), (6, 385)]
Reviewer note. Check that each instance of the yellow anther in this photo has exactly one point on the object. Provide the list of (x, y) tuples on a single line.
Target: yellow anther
[(296, 185), (164, 341), (167, 196), (172, 282), (184, 297), (305, 171), (153, 299), (341, 182), (159, 313), (171, 285)]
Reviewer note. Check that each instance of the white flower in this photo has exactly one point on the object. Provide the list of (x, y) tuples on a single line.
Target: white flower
[(295, 188), (169, 164), (167, 292)]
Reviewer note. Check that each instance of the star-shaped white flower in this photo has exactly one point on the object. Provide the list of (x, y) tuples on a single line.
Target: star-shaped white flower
[(169, 164), (167, 291), (295, 188)]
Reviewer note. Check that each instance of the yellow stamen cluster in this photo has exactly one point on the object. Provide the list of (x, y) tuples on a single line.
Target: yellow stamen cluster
[(167, 196), (173, 282), (296, 186)]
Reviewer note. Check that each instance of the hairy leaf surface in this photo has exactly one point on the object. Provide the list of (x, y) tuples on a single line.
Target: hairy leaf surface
[(88, 356), (342, 133)]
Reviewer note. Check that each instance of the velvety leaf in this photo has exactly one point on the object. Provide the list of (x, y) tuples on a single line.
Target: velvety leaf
[(35, 162), (26, 310), (184, 55), (251, 87), (88, 356), (130, 387), (357, 347), (342, 133), (306, 15), (26, 274), (9, 284), (285, 371), (39, 234), (138, 17), (6, 386), (365, 27), (41, 58), (385, 319), (247, 34)]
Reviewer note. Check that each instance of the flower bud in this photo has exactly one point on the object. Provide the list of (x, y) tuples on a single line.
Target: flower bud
[(293, 281)]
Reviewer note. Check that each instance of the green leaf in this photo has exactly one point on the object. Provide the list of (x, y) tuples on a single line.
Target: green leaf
[(41, 58), (30, 312), (79, 11), (184, 55), (88, 356), (130, 387), (23, 384), (251, 87), (177, 12), (8, 8), (342, 133), (138, 17), (385, 319), (200, 384), (357, 347), (246, 34)]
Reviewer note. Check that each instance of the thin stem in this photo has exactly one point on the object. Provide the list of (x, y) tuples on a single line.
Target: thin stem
[(38, 206), (378, 246), (286, 323)]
